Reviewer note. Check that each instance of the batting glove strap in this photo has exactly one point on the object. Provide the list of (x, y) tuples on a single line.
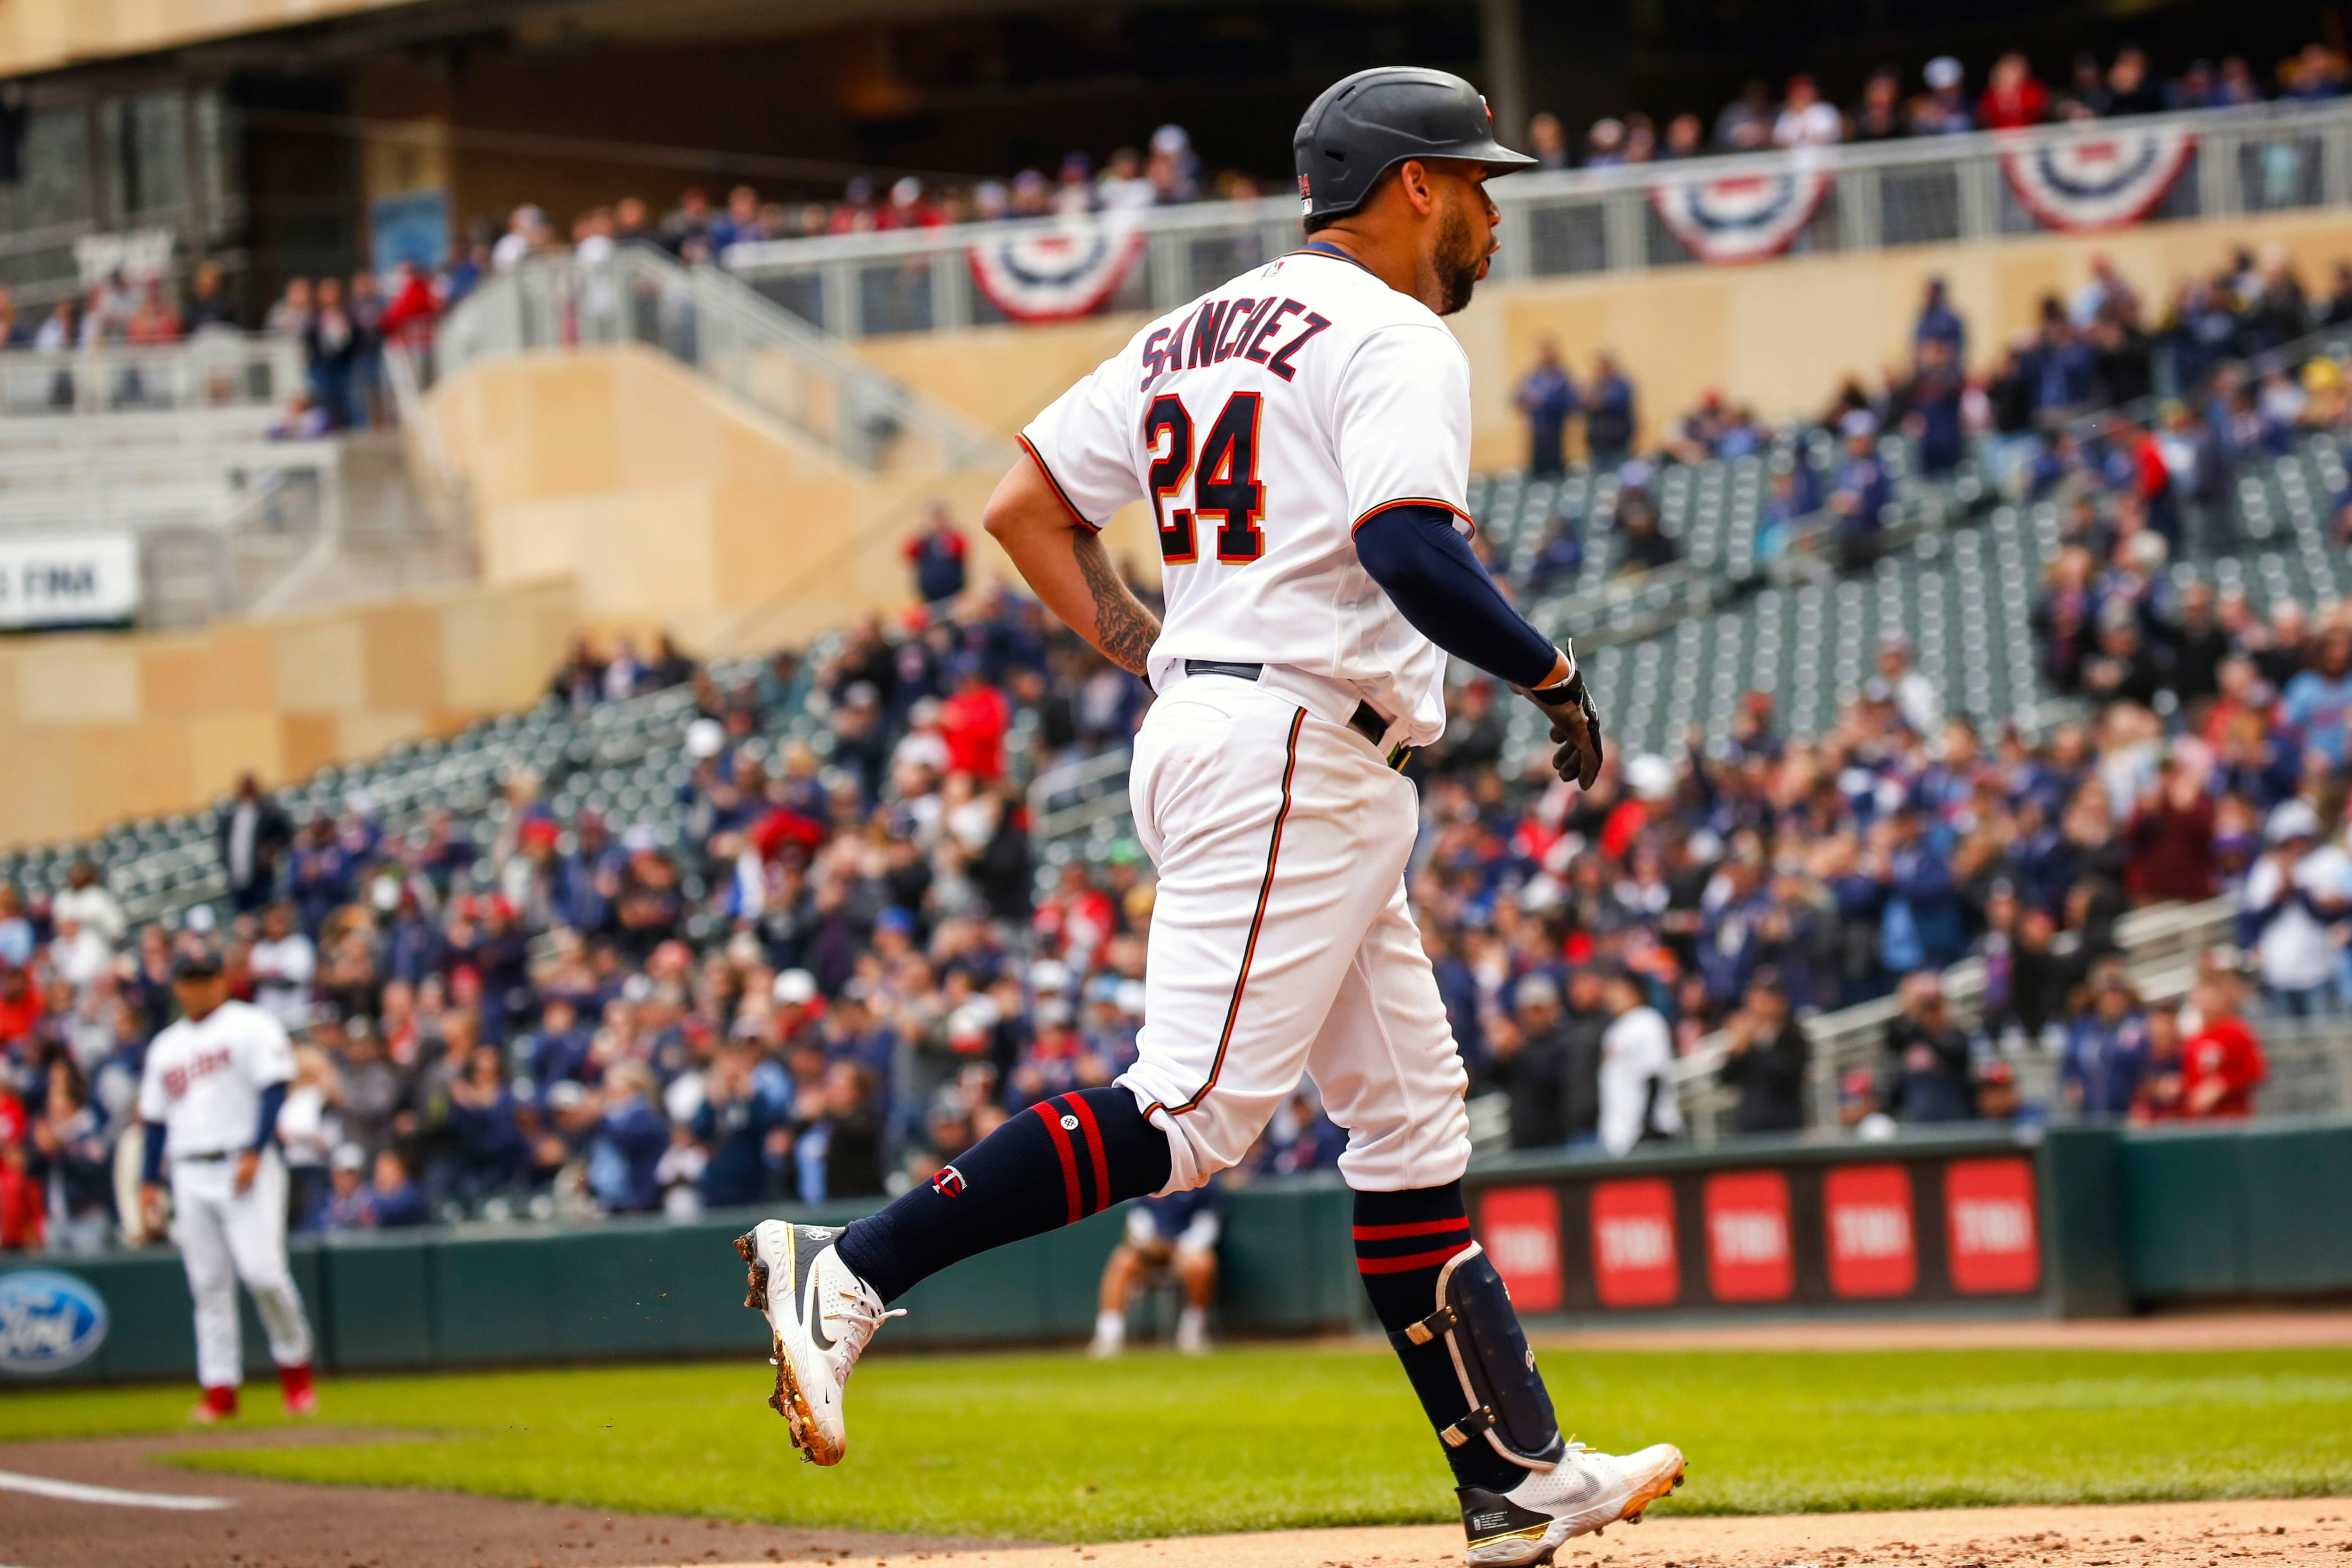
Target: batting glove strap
[(1557, 692)]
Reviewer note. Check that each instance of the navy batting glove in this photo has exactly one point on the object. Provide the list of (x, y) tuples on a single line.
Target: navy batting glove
[(1575, 726)]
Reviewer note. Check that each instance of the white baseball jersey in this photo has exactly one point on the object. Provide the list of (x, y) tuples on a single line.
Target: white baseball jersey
[(203, 1079), (1264, 422)]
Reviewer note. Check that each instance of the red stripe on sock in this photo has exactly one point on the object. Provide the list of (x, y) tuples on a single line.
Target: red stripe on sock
[(1052, 1121), (1404, 1265), (1420, 1228), (1086, 1115)]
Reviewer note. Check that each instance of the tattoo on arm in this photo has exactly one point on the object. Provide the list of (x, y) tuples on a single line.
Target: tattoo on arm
[(1124, 628)]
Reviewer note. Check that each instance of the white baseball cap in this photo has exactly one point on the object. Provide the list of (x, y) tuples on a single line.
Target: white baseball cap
[(2292, 819), (794, 988)]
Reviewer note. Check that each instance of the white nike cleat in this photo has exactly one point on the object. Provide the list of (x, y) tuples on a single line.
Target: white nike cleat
[(1581, 1495), (1192, 1333), (1110, 1336), (821, 1315)]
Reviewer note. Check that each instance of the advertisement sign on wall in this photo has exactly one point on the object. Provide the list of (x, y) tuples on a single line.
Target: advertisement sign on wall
[(1859, 1227), (68, 580), (1749, 1255), (1519, 1228)]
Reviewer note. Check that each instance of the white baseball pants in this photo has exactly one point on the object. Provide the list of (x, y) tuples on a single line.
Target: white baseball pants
[(1281, 941), (225, 1238)]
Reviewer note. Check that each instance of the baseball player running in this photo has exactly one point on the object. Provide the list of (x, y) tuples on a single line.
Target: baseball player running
[(1302, 434), (214, 1084)]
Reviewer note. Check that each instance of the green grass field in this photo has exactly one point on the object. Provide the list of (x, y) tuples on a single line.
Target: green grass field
[(1058, 1448)]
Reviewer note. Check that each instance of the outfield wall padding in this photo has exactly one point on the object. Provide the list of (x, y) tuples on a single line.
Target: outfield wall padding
[(2077, 1221)]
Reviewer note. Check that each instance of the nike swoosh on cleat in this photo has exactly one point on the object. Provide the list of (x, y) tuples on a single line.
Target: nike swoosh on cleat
[(811, 1313)]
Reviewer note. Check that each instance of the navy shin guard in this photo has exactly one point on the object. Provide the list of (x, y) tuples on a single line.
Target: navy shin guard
[(1509, 1407)]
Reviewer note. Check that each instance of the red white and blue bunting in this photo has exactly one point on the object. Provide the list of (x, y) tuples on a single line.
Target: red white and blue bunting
[(2102, 177), (1745, 217), (1054, 271)]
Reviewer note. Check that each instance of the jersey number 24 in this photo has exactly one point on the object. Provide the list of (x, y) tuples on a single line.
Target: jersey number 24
[(1226, 489)]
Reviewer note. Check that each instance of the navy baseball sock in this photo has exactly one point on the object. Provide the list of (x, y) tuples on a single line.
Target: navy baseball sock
[(1053, 1165), (1402, 1240)]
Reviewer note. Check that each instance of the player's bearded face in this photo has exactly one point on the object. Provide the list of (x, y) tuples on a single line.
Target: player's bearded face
[(1460, 259)]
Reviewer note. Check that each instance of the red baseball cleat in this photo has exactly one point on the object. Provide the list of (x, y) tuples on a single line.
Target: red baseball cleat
[(302, 1398), (217, 1405)]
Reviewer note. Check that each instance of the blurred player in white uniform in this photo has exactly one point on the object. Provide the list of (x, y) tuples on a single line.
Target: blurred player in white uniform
[(1302, 437), (209, 1098), (1175, 1233)]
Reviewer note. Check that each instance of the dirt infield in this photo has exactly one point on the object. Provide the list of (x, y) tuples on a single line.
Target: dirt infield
[(2158, 1535), (280, 1524), (277, 1524)]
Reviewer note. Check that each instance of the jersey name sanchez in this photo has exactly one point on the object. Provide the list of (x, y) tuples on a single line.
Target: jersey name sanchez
[(1264, 422), (203, 1078)]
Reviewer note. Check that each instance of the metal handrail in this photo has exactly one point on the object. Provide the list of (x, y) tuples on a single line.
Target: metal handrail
[(1872, 183), (717, 324), (2160, 945), (217, 368)]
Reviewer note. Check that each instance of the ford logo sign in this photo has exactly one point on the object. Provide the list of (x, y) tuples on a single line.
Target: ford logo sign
[(48, 1322)]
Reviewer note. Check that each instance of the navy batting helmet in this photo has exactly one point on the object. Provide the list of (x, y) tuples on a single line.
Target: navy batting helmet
[(1366, 124)]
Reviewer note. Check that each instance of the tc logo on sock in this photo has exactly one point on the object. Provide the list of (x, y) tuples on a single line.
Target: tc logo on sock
[(947, 1181)]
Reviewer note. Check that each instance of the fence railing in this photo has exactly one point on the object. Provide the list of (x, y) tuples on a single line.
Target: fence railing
[(717, 324), (2160, 945), (2260, 157), (217, 368)]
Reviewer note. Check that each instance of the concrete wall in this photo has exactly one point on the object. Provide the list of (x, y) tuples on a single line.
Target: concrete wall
[(675, 506), (1780, 335), (98, 727), (42, 35)]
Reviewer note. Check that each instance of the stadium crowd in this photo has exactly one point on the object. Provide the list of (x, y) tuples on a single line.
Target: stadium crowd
[(1943, 102), (845, 968)]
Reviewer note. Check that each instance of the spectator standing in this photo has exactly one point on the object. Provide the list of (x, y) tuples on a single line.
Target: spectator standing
[(1609, 420), (2318, 701), (2293, 896), (1548, 139), (1746, 123), (2013, 99), (331, 347), (255, 832), (936, 556), (2107, 1053), (629, 1141), (350, 1203), (1940, 323), (1768, 1054), (1529, 1052), (394, 1200), (2170, 837), (73, 1141), (1637, 1098), (1944, 111), (2222, 1062), (1879, 116), (283, 963), (1927, 1078), (1806, 119), (1547, 397)]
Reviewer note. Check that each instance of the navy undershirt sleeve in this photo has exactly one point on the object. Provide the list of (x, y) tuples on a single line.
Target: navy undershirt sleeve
[(273, 1100), (1416, 554), (150, 1160)]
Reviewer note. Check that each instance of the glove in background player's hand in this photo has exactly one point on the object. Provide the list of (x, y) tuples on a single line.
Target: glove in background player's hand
[(1575, 728)]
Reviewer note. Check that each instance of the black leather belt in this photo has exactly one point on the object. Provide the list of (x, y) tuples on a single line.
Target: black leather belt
[(1365, 721), (205, 1158)]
